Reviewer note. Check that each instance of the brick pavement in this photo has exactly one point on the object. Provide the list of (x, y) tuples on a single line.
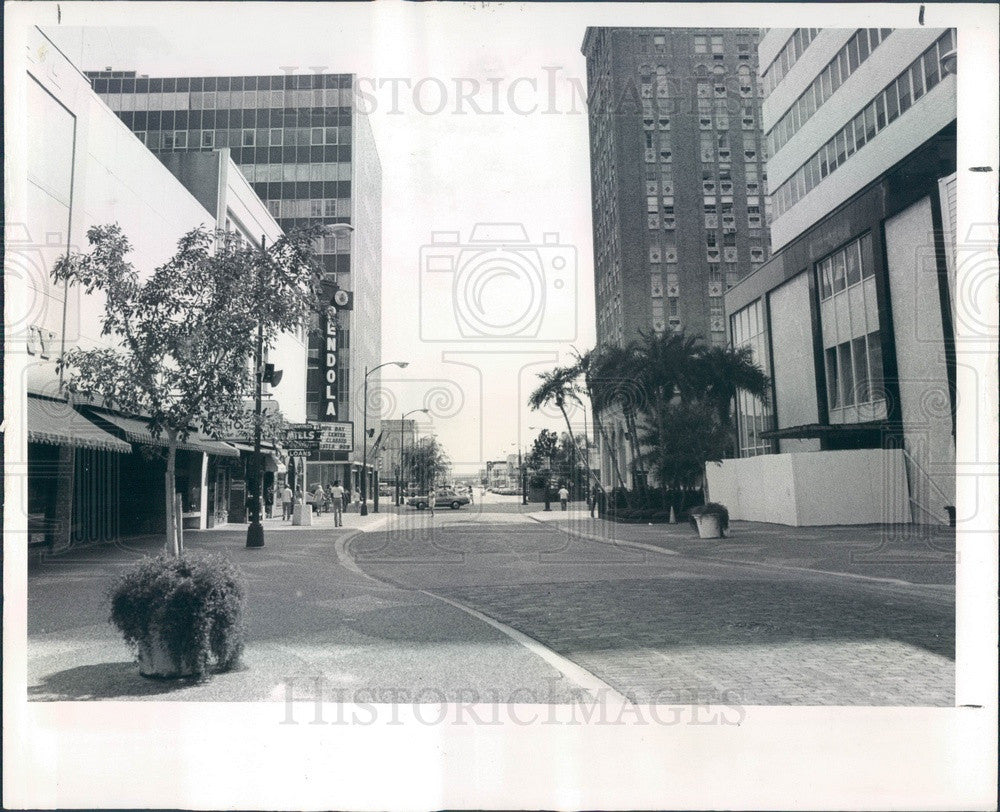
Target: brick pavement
[(686, 628), (919, 554)]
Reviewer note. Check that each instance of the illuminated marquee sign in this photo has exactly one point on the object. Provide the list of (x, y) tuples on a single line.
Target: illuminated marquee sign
[(337, 437)]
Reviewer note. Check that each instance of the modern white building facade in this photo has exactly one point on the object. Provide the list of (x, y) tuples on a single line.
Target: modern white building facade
[(852, 316)]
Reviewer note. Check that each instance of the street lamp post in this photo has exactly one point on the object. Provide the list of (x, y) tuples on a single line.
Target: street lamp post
[(364, 433), (255, 530), (399, 486)]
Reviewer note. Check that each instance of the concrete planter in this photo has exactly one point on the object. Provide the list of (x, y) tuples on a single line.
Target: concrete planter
[(156, 662), (709, 526)]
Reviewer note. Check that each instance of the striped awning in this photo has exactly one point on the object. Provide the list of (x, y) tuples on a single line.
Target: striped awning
[(56, 422), (137, 431)]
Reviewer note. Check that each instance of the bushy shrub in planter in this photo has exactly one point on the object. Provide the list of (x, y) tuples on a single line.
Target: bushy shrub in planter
[(183, 614), (710, 520)]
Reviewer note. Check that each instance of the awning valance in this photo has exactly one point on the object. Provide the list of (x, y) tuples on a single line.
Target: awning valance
[(812, 430), (137, 430), (57, 423)]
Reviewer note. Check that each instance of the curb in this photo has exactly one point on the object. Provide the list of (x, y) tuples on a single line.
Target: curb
[(929, 590)]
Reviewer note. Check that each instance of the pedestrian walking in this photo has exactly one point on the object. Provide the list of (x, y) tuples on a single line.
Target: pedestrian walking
[(356, 499), (563, 497), (595, 495), (286, 503), (337, 503), (319, 498), (268, 501)]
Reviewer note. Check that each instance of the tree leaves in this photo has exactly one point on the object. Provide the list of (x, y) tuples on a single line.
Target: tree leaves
[(186, 332)]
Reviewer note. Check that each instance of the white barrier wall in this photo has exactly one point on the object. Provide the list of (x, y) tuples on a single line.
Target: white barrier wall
[(866, 486)]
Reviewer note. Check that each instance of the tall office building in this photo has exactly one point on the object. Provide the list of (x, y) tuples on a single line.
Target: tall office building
[(311, 156), (677, 176), (853, 315), (678, 186)]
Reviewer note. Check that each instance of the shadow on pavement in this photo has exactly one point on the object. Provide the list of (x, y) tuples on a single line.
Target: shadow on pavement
[(103, 681)]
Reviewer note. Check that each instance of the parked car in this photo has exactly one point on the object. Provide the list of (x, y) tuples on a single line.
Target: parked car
[(441, 499)]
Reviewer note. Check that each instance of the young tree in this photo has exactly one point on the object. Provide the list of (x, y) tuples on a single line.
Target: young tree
[(186, 335), (425, 461)]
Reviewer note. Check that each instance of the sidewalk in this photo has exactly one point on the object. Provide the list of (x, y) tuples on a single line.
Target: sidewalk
[(917, 554), (153, 544)]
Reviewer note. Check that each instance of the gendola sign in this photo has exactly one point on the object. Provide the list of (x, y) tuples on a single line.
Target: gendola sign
[(342, 300)]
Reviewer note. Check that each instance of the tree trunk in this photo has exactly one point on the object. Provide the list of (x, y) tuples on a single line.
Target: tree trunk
[(612, 452), (170, 485), (572, 440)]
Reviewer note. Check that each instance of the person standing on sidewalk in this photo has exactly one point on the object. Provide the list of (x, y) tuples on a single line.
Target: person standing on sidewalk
[(337, 503), (595, 496), (563, 497), (286, 503)]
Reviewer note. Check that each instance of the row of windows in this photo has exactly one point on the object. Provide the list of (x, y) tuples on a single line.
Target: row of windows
[(854, 371), (314, 207), (290, 173), (858, 48), (103, 83), (230, 100), (219, 139), (922, 75), (788, 56), (846, 267)]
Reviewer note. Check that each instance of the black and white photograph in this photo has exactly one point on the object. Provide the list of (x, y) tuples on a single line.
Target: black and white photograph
[(500, 405)]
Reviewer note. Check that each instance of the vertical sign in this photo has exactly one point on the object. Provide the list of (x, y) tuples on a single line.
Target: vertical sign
[(328, 404)]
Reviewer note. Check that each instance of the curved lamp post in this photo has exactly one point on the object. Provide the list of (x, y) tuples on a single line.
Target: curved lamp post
[(399, 475), (364, 433)]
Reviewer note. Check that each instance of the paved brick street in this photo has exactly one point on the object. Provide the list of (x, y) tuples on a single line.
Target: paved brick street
[(649, 611)]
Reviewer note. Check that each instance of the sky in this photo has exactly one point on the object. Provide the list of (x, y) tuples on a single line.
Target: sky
[(479, 117)]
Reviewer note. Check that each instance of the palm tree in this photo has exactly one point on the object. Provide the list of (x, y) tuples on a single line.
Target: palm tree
[(586, 368), (558, 386), (617, 381), (723, 372)]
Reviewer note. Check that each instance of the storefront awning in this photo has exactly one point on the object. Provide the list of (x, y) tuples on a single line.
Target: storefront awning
[(137, 431), (57, 423), (265, 447), (811, 430)]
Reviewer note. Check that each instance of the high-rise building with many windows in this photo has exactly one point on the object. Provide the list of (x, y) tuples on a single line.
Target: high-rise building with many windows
[(311, 156), (853, 315), (677, 176), (678, 185)]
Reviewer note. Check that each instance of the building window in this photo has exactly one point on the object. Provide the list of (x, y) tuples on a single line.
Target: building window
[(276, 137), (249, 138), (141, 135), (851, 336), (208, 139), (753, 415)]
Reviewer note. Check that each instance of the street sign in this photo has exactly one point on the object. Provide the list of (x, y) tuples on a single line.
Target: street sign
[(302, 437), (337, 437)]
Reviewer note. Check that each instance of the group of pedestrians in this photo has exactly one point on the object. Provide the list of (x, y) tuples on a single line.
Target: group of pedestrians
[(336, 500)]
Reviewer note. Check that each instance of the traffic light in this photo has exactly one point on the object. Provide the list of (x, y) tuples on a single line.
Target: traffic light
[(271, 375)]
